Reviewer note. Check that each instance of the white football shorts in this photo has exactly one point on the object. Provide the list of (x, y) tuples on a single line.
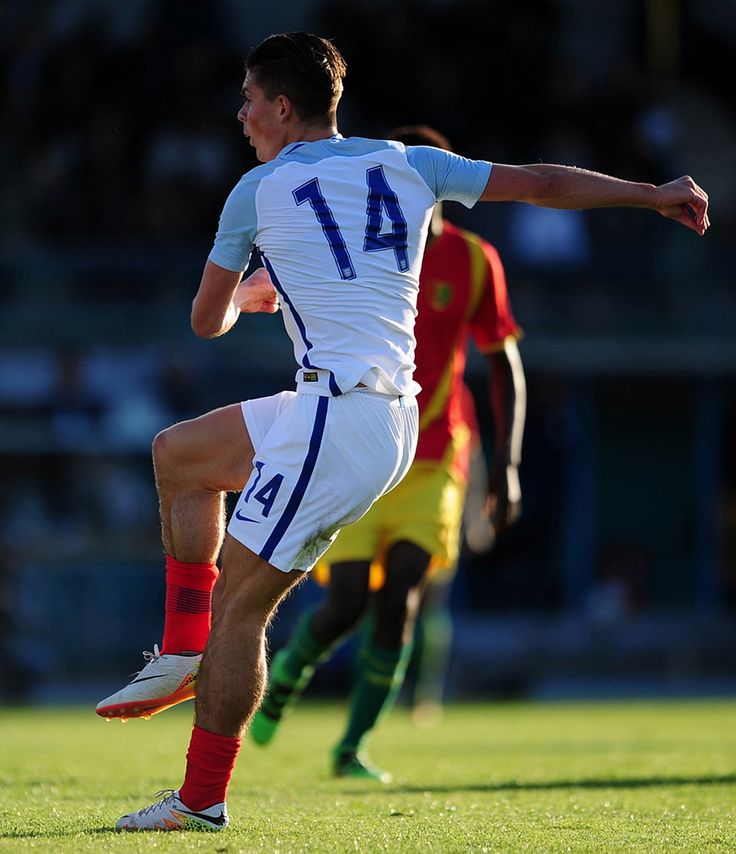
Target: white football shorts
[(319, 464)]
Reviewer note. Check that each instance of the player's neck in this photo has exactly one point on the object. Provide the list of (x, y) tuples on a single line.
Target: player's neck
[(303, 132)]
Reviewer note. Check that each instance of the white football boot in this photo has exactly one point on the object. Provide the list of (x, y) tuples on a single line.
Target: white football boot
[(170, 813), (165, 681)]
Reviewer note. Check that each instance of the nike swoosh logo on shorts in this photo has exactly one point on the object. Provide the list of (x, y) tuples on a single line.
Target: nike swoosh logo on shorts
[(242, 518)]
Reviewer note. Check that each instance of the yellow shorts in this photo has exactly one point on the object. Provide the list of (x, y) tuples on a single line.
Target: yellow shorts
[(426, 508)]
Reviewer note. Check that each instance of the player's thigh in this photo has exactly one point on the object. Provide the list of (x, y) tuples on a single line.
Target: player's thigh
[(406, 565), (396, 604), (214, 451), (345, 601), (348, 587)]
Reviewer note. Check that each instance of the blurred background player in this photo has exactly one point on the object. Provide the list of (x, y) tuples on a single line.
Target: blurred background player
[(385, 562)]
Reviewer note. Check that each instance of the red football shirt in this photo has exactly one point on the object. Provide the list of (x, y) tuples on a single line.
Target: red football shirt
[(462, 292)]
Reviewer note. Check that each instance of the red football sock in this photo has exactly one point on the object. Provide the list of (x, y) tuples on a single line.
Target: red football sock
[(188, 605), (210, 762)]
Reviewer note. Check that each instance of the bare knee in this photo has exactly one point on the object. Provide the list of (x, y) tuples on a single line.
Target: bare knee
[(212, 452), (166, 449), (184, 457)]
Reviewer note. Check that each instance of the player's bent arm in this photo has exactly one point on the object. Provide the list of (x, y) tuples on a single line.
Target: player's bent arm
[(213, 310), (254, 294), (567, 187)]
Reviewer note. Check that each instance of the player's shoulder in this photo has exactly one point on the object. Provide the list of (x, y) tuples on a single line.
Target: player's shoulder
[(248, 183)]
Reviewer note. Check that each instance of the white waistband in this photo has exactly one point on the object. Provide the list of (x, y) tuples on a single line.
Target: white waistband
[(322, 382)]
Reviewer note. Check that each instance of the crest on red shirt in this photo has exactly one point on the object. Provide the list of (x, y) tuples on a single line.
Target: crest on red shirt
[(440, 294)]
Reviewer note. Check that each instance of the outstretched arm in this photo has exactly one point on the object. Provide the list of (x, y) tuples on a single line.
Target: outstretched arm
[(568, 187)]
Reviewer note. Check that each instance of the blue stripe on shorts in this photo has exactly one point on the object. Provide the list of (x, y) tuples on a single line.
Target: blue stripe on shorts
[(302, 483)]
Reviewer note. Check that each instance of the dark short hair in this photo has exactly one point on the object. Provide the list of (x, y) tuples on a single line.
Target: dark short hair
[(420, 135), (305, 68)]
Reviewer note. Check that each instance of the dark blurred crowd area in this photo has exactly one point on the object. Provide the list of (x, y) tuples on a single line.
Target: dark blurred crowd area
[(119, 145), (119, 118)]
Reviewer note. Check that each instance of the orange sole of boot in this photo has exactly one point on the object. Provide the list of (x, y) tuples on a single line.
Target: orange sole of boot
[(148, 710)]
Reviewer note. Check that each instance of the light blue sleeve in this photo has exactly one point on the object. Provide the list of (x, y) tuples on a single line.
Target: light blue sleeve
[(448, 175), (237, 228)]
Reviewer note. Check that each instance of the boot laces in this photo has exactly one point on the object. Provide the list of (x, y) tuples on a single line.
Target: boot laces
[(148, 657), (166, 796)]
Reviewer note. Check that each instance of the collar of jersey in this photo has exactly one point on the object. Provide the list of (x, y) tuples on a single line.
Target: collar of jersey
[(292, 146)]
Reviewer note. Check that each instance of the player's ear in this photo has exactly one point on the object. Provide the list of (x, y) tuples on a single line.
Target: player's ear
[(285, 108)]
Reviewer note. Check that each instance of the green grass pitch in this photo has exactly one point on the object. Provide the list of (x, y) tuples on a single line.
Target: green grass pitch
[(545, 777)]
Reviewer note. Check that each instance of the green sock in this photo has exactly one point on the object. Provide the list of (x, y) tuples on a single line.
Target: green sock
[(436, 638), (290, 671), (294, 664), (378, 681)]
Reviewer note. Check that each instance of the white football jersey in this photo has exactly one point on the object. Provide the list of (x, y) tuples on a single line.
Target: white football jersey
[(341, 225)]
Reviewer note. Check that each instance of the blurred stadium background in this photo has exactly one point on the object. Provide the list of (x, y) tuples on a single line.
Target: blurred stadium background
[(119, 145)]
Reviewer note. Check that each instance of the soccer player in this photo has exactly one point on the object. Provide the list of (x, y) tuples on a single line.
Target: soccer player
[(341, 225), (414, 531)]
